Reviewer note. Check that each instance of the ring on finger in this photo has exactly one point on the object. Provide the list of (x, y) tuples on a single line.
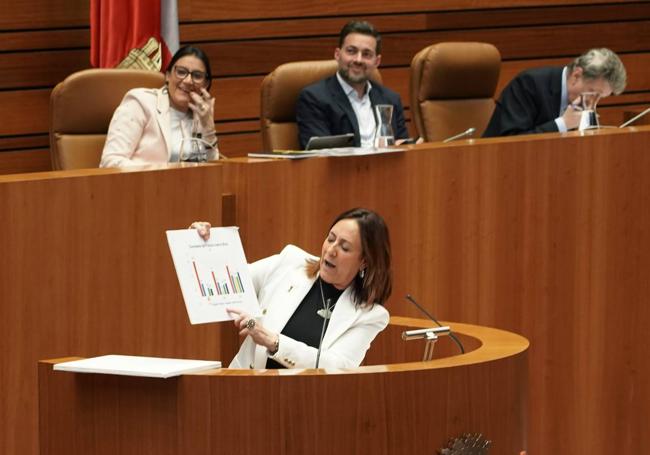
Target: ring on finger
[(250, 324)]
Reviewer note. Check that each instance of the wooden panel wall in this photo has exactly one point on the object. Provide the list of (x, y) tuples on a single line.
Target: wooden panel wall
[(46, 40), (544, 236), (85, 268)]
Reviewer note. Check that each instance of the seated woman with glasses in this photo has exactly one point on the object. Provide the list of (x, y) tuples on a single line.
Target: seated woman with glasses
[(169, 124)]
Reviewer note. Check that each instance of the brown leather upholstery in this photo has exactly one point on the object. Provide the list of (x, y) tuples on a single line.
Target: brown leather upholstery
[(452, 88), (280, 90), (81, 108)]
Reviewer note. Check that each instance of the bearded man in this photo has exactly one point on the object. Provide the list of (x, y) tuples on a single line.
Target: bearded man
[(344, 103)]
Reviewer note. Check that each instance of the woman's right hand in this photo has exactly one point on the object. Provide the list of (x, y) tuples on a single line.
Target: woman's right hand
[(202, 105), (203, 228)]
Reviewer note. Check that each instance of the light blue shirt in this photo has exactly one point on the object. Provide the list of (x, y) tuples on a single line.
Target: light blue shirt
[(564, 103)]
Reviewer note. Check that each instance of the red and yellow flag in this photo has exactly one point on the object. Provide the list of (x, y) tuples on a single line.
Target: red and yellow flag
[(133, 34)]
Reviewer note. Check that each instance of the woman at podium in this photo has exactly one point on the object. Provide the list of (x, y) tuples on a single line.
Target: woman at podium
[(170, 124), (319, 311)]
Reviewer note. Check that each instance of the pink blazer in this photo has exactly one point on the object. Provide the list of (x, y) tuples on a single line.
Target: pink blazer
[(139, 132)]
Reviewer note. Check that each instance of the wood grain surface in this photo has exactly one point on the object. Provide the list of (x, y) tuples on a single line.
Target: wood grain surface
[(544, 235), (44, 41), (412, 407), (85, 267)]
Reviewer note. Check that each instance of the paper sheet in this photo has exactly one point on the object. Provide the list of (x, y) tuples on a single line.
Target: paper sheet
[(153, 367), (213, 275)]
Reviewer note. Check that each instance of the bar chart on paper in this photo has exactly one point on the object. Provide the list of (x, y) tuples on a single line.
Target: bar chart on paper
[(213, 274), (214, 285)]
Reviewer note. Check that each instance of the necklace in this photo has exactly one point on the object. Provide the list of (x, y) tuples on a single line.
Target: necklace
[(326, 311)]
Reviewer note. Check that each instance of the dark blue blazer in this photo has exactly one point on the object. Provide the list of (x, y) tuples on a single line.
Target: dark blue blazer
[(530, 103), (323, 109)]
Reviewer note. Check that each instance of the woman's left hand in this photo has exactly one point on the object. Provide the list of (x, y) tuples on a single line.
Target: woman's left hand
[(202, 105), (203, 227), (254, 329)]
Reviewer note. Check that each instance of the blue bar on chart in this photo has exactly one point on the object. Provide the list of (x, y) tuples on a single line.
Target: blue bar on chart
[(231, 285), (204, 288)]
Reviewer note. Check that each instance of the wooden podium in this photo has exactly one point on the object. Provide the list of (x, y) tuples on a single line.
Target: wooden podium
[(402, 406)]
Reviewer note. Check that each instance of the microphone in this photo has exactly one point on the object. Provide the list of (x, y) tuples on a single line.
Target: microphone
[(325, 313), (423, 333), (635, 118), (453, 337), (466, 133)]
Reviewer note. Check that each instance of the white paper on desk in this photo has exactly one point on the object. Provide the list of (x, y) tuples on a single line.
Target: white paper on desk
[(285, 156), (128, 365), (213, 275), (357, 151)]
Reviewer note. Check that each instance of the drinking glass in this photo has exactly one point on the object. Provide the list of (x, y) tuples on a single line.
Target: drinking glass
[(589, 117), (384, 135), (194, 150)]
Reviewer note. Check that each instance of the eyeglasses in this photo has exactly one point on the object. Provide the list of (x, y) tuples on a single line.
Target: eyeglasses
[(198, 77)]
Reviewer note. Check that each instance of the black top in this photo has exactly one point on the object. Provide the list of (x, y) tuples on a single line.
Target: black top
[(305, 324)]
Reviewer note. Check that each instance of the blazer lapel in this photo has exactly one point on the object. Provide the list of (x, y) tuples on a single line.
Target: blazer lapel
[(556, 91), (343, 316), (344, 103), (375, 96), (287, 300), (162, 117)]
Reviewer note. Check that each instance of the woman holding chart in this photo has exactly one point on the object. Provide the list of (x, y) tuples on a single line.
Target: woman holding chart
[(319, 311)]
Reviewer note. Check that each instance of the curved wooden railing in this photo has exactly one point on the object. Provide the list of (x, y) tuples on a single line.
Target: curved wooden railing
[(403, 406)]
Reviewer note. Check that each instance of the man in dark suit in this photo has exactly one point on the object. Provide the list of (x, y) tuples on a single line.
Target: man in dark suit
[(344, 103), (543, 100)]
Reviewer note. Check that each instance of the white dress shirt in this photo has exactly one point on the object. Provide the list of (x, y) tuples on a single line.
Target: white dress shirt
[(363, 110)]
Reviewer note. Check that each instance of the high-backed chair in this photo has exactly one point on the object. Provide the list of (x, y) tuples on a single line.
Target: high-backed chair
[(452, 88), (279, 93), (81, 108)]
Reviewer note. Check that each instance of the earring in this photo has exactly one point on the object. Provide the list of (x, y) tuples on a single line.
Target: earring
[(362, 273)]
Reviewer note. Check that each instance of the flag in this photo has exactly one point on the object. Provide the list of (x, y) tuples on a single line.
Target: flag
[(133, 33)]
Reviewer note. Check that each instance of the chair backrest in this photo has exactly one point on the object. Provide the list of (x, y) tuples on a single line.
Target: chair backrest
[(81, 108), (452, 88), (279, 93)]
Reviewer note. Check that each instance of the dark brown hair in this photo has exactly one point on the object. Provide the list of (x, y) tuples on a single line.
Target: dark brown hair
[(363, 28), (196, 52), (377, 284)]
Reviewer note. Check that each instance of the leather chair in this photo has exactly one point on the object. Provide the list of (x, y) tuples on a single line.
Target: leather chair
[(279, 93), (452, 88), (81, 108)]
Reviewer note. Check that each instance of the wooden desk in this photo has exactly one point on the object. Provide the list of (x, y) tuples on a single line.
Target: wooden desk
[(85, 267), (382, 409), (630, 114), (545, 235)]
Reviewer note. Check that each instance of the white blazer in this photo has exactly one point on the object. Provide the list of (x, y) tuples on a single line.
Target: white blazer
[(140, 131), (281, 283)]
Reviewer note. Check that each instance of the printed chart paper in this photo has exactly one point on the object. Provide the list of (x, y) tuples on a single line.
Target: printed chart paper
[(213, 275)]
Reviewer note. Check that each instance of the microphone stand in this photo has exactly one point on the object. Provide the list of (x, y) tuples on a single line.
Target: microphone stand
[(466, 133), (326, 315), (635, 118), (453, 337)]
